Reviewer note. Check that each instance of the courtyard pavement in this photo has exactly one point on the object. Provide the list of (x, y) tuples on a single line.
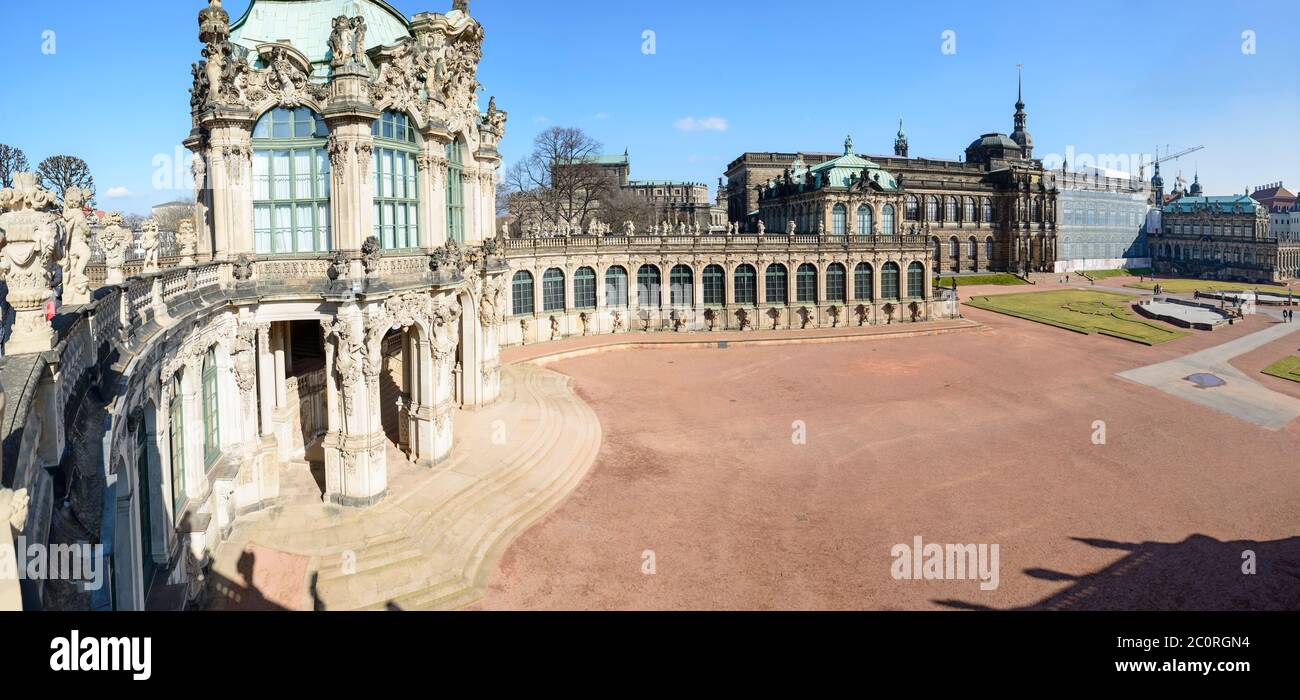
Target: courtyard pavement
[(1102, 494), (1238, 395)]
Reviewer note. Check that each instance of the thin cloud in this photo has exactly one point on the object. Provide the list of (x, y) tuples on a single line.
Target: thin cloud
[(602, 115), (701, 124), (118, 193)]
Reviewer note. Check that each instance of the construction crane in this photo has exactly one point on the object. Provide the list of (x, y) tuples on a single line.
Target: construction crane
[(1168, 157)]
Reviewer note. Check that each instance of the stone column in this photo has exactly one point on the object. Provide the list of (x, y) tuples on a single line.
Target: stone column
[(355, 447), (446, 336), (432, 163), (351, 154), (230, 175)]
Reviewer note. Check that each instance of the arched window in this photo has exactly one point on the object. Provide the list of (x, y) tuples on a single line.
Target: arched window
[(648, 283), (616, 286), (176, 440), (681, 286), (839, 220), (715, 280), (968, 212), (988, 251), (950, 209), (584, 288), (291, 183), (864, 220), (889, 288), (972, 248), (211, 409), (931, 208), (775, 281), (455, 187), (887, 220), (910, 209), (987, 211), (862, 282), (916, 281), (805, 283), (397, 187), (553, 290), (521, 293), (1036, 209), (835, 287), (746, 285)]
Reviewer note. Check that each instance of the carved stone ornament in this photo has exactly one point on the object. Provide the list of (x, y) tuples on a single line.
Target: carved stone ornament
[(31, 247), (149, 243), (371, 255), (242, 269)]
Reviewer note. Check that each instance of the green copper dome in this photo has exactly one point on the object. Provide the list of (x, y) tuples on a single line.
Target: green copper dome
[(307, 24)]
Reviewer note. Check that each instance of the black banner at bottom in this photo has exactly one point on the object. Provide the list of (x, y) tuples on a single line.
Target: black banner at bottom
[(324, 649)]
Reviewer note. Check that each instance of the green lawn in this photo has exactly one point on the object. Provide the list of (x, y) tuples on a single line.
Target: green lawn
[(1081, 311), (1000, 279), (1182, 286), (1107, 274), (1288, 368)]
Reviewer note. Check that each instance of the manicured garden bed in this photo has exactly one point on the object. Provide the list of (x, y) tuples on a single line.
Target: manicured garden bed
[(1287, 368), (1081, 311), (1000, 279)]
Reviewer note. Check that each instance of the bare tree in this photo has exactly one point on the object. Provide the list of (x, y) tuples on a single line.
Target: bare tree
[(170, 217), (58, 173), (619, 205), (559, 183), (12, 160)]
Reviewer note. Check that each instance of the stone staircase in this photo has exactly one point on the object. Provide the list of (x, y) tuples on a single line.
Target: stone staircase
[(433, 543)]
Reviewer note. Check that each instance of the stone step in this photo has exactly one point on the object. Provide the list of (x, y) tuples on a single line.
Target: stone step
[(457, 544), (375, 584)]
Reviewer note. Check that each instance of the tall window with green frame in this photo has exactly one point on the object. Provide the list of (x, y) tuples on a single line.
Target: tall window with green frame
[(176, 439), (291, 183), (455, 193), (397, 184), (211, 410)]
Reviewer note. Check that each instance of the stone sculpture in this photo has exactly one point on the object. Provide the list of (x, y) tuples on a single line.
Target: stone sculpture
[(186, 242), (76, 284), (31, 247), (113, 239), (149, 244)]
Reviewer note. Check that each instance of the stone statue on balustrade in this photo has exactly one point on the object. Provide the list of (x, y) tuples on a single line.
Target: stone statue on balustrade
[(31, 250), (76, 283), (113, 239), (790, 227), (187, 242), (149, 243), (762, 228), (13, 518)]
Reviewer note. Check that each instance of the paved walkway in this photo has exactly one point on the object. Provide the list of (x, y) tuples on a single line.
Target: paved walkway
[(569, 348), (434, 541), (1238, 395)]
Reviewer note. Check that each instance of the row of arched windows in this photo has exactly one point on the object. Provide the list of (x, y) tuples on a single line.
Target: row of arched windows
[(912, 209), (681, 286), (291, 183)]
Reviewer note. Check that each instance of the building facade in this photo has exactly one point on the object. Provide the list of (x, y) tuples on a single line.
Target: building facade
[(340, 290), (1103, 221), (1222, 238)]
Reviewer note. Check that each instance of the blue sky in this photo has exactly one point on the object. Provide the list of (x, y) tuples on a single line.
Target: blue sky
[(727, 77)]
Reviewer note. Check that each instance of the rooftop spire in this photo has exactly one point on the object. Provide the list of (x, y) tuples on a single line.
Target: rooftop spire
[(1020, 135), (900, 143)]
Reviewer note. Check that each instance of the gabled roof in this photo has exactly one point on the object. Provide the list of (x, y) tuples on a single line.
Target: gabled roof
[(307, 24)]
